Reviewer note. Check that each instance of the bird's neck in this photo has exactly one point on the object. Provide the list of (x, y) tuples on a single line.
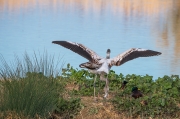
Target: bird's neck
[(108, 54)]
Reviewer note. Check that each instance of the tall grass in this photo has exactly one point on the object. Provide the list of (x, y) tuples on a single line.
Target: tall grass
[(28, 86), (44, 63)]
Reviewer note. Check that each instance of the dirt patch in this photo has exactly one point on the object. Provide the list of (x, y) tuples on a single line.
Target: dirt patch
[(99, 109), (71, 87)]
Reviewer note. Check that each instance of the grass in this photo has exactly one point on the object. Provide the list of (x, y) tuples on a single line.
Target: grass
[(30, 96), (28, 87)]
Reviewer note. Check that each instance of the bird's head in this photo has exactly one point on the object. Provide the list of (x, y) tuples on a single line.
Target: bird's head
[(85, 65), (125, 82), (81, 66), (134, 89), (108, 51)]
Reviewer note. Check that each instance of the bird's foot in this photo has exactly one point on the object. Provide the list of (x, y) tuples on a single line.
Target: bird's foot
[(105, 96), (95, 99)]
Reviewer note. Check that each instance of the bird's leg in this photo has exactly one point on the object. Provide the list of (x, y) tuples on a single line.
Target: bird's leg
[(95, 87), (106, 88)]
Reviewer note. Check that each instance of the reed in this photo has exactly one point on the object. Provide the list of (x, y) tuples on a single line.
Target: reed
[(28, 86)]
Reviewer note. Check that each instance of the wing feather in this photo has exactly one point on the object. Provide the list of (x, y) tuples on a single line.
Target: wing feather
[(79, 49), (132, 54)]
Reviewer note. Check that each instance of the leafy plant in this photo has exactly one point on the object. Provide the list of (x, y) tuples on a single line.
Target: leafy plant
[(161, 95)]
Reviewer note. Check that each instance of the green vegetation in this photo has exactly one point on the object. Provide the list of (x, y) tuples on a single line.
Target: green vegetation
[(161, 95), (68, 108), (29, 88), (34, 94), (36, 88)]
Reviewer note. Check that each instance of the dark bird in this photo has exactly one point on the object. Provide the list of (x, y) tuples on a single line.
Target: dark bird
[(102, 66), (123, 85), (136, 93)]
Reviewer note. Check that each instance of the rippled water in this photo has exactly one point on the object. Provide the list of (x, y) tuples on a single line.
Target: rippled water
[(31, 25)]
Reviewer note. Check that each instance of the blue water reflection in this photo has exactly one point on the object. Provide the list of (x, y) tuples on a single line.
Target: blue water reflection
[(118, 24)]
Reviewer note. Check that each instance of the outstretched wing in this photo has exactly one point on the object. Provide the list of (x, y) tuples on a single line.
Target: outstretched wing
[(132, 54), (80, 49)]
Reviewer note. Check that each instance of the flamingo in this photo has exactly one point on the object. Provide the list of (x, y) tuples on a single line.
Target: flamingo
[(100, 65)]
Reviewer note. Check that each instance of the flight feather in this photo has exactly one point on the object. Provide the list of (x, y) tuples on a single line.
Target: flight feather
[(79, 49), (132, 54)]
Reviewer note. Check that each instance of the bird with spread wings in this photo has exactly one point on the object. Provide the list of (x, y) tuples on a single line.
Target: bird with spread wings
[(100, 65)]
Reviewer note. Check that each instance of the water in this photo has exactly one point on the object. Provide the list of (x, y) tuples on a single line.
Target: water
[(31, 25)]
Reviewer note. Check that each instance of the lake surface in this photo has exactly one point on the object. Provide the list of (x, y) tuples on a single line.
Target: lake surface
[(31, 25)]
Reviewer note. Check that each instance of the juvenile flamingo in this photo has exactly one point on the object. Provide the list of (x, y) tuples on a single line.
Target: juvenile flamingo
[(100, 65)]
